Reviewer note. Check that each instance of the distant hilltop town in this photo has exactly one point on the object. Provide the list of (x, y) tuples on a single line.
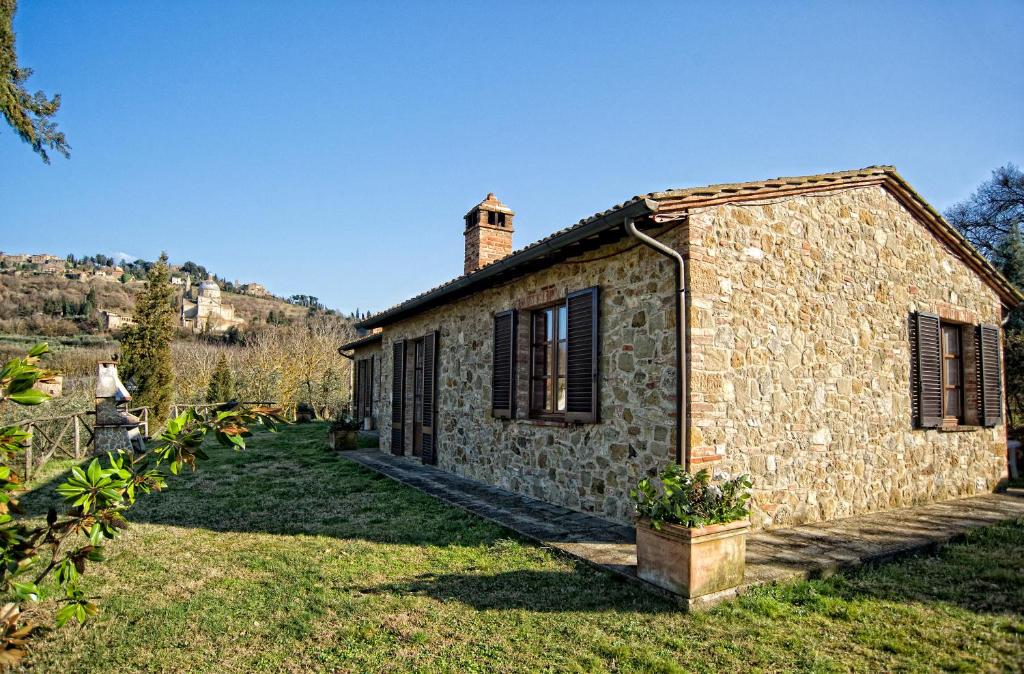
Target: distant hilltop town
[(200, 305), (105, 267)]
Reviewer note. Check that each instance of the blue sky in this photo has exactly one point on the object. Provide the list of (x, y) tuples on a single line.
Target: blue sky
[(332, 148)]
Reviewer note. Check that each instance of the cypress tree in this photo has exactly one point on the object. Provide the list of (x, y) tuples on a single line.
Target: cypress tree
[(146, 346), (222, 387), (89, 305)]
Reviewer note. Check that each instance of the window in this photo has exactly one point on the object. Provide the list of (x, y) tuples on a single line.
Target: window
[(548, 360), (494, 218), (563, 382), (955, 373), (952, 373)]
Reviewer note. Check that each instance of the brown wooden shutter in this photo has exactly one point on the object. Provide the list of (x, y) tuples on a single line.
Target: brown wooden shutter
[(357, 390), (397, 397), (429, 446), (581, 358), (928, 374), (366, 394), (370, 367), (990, 376), (503, 370)]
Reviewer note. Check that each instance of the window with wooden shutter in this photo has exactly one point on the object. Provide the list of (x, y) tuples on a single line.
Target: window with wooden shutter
[(952, 373), (397, 397), (926, 370), (363, 400), (581, 376), (990, 375), (503, 371), (428, 452)]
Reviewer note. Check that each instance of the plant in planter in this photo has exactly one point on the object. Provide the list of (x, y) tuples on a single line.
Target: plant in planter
[(343, 433), (691, 532)]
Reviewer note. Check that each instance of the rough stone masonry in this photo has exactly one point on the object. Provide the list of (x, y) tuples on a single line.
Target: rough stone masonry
[(799, 358)]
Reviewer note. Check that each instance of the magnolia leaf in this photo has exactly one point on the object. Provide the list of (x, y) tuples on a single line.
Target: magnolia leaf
[(29, 397), (26, 591)]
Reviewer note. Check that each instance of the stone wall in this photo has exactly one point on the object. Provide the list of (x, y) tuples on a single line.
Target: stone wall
[(585, 467), (800, 365)]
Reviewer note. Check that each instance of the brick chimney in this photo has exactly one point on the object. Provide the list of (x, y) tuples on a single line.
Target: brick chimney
[(488, 233)]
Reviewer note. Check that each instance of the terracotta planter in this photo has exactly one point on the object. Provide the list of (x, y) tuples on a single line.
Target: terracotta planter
[(343, 440), (692, 562)]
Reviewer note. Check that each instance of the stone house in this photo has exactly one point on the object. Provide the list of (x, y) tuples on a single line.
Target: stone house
[(830, 335), (255, 290)]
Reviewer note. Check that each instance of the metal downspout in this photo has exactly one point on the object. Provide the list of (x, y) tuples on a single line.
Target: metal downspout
[(682, 434)]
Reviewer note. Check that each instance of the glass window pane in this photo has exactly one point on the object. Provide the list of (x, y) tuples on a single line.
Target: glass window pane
[(550, 325), (952, 371), (539, 395), (540, 361), (540, 322), (561, 358), (952, 403), (562, 322), (951, 339), (561, 394)]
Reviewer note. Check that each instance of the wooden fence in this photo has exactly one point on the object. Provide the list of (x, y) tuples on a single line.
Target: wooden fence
[(57, 435), (70, 435)]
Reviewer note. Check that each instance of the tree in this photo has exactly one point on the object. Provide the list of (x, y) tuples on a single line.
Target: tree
[(993, 212), (991, 219), (89, 305), (146, 345), (96, 499), (222, 385), (30, 115)]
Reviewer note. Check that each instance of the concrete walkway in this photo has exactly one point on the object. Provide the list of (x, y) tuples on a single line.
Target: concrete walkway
[(806, 551)]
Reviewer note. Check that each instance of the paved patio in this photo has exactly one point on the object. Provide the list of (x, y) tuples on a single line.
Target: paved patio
[(806, 551)]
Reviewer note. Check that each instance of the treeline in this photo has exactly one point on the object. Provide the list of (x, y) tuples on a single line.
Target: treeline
[(992, 219), (69, 308)]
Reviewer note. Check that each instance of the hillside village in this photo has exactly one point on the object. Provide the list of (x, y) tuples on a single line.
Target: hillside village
[(43, 293)]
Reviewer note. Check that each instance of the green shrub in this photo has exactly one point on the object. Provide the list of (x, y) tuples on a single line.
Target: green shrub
[(691, 500)]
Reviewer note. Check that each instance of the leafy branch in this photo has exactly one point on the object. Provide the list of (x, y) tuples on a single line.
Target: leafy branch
[(96, 499)]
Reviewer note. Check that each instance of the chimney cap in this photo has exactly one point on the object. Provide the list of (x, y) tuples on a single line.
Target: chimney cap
[(491, 203)]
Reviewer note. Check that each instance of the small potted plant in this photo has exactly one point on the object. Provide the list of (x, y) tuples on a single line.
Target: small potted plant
[(691, 533), (343, 433)]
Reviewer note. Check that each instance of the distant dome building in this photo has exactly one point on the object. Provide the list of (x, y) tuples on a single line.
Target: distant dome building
[(209, 289), (202, 309)]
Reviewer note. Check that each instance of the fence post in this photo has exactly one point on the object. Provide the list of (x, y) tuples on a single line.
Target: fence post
[(28, 455), (78, 439)]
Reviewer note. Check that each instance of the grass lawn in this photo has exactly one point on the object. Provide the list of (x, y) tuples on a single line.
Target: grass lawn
[(290, 558)]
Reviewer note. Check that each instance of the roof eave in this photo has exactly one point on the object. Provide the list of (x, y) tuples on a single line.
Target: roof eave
[(362, 341), (505, 268)]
